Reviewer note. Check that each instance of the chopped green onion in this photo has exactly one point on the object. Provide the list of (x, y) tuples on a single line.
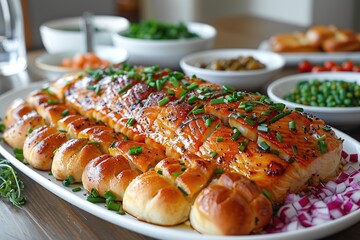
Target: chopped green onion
[(322, 146), (192, 99), (98, 89), (266, 193), (96, 199), (198, 111), (193, 86), (163, 101), (135, 150), (322, 138), (219, 139), (213, 154), (292, 125), (236, 135), (30, 130), (264, 146), (125, 88), (77, 189), (248, 109), (243, 145), (218, 100), (67, 182), (263, 128), (53, 101), (219, 171), (65, 112), (279, 116), (228, 88), (182, 190), (159, 172), (249, 121), (18, 154), (208, 122), (279, 137), (130, 121), (171, 91), (294, 148), (176, 174), (265, 113), (174, 82)]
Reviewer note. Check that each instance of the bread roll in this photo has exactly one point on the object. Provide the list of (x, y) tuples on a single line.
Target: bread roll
[(16, 134), (292, 42), (71, 158), (16, 111), (74, 124), (152, 198), (108, 173), (319, 33), (233, 206), (40, 145), (342, 41)]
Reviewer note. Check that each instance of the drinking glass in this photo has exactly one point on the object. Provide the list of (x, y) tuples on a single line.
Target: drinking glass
[(12, 39)]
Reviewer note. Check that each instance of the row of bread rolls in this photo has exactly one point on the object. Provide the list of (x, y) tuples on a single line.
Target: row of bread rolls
[(154, 188), (319, 38)]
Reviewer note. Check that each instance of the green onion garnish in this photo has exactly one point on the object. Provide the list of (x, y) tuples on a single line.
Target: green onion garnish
[(266, 193), (126, 87), (292, 125), (183, 191), (294, 148), (236, 135), (218, 100), (135, 150), (130, 121), (163, 101), (174, 82), (208, 122), (159, 172), (65, 112), (243, 145), (193, 86), (264, 146), (228, 89), (171, 91), (219, 139), (322, 146), (67, 182), (77, 189), (279, 137), (263, 128), (219, 171), (213, 154), (199, 111), (53, 101), (176, 174)]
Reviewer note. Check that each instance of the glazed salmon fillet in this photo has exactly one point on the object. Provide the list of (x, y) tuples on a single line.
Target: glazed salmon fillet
[(282, 150)]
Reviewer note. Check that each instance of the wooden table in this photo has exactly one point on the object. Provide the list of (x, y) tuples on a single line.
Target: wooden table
[(46, 216)]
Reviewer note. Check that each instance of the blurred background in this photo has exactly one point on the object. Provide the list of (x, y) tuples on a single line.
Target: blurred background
[(342, 13)]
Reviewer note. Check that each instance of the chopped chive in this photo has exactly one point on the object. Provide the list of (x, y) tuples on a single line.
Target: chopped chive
[(77, 189), (213, 154), (182, 190), (98, 89), (18, 154), (90, 87), (183, 91), (130, 121), (276, 152), (198, 111), (322, 146), (181, 99), (163, 101), (236, 134), (248, 109), (217, 126), (174, 82), (294, 148), (292, 125), (326, 129), (266, 193), (264, 146), (109, 195), (112, 145), (265, 113), (218, 100), (96, 199), (208, 122), (192, 99), (30, 130), (243, 145), (193, 86), (63, 131), (242, 105), (228, 88), (298, 109), (291, 160), (322, 138), (279, 116), (159, 172), (263, 128), (158, 85), (53, 101), (219, 139), (279, 137), (68, 181), (249, 121), (65, 112), (176, 174), (219, 171), (125, 88), (135, 150), (112, 205), (171, 91)]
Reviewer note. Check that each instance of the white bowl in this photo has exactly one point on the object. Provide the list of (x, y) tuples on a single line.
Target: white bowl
[(166, 53), (50, 62), (57, 35), (343, 117), (241, 80)]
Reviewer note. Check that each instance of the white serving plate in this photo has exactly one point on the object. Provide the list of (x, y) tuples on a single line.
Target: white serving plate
[(175, 233), (317, 58), (341, 117)]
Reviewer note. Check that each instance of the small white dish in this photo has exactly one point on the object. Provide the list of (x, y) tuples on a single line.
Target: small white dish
[(341, 117), (166, 53), (64, 34), (52, 62), (242, 79)]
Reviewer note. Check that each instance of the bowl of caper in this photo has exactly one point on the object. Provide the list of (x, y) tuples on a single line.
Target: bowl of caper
[(243, 69)]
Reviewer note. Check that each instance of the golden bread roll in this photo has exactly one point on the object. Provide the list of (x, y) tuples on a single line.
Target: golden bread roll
[(342, 41), (16, 111), (233, 206), (146, 158), (108, 173), (150, 197), (319, 33), (71, 158), (292, 42), (59, 87), (74, 124), (103, 135), (16, 134), (38, 97), (40, 145)]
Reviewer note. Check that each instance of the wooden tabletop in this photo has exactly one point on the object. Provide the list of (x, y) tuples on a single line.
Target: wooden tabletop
[(46, 216)]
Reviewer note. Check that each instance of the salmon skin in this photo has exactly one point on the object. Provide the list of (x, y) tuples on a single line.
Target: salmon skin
[(282, 150)]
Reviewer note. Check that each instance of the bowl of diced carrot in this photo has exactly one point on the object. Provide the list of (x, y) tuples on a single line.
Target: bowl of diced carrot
[(73, 61)]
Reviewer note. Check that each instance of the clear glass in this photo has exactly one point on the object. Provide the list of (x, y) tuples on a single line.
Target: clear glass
[(12, 39)]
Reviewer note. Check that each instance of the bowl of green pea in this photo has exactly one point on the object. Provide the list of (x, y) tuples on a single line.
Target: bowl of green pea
[(332, 96), (154, 42)]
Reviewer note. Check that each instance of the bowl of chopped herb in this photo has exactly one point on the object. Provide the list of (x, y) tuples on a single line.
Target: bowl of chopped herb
[(332, 96), (151, 42)]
